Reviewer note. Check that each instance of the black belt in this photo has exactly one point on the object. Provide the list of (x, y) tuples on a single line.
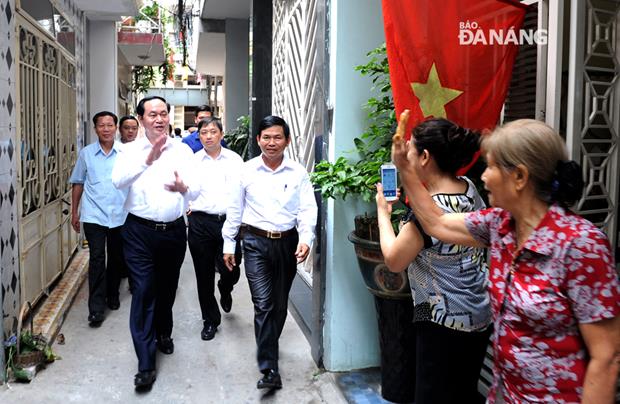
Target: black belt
[(157, 226), (219, 218), (269, 234)]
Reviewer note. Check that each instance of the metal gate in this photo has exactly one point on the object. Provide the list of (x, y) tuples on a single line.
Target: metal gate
[(46, 139), (594, 108), (298, 94)]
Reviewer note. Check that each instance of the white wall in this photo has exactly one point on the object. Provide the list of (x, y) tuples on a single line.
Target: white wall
[(102, 71), (350, 335), (236, 75)]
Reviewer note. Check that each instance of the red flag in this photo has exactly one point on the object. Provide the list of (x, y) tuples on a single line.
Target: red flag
[(452, 58)]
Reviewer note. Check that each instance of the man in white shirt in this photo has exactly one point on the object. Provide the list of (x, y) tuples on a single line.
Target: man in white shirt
[(219, 170), (153, 169), (275, 208)]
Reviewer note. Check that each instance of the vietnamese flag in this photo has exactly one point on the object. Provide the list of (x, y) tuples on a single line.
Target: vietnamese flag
[(452, 58)]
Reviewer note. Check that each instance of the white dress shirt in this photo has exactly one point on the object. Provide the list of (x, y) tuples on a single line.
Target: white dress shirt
[(272, 200), (217, 179), (147, 197)]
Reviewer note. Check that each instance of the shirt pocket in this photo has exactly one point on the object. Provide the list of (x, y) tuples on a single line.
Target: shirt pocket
[(93, 177), (289, 198)]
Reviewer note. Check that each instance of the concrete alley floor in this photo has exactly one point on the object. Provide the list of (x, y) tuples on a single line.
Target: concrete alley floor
[(98, 364)]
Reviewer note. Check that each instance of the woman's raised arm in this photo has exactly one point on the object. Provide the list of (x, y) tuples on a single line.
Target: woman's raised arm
[(447, 227)]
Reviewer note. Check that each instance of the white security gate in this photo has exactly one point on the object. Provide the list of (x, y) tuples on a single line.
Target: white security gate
[(298, 91), (46, 140)]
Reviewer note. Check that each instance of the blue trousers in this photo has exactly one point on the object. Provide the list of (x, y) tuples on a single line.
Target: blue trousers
[(154, 259)]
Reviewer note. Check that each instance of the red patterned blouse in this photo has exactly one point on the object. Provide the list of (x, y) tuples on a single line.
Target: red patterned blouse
[(564, 275)]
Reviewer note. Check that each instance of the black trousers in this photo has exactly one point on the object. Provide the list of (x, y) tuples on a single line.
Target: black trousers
[(448, 364), (270, 267), (103, 280), (154, 259), (204, 237)]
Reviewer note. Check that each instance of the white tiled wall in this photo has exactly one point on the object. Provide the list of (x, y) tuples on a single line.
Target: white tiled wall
[(9, 276)]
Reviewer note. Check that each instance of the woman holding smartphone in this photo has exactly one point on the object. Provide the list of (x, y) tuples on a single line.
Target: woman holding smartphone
[(448, 282), (553, 286)]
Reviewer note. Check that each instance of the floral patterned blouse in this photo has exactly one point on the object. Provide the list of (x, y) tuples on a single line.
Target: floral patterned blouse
[(562, 276)]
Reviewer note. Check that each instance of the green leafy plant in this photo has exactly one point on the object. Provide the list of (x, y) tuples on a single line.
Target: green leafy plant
[(143, 78), (358, 173), (28, 344), (238, 138)]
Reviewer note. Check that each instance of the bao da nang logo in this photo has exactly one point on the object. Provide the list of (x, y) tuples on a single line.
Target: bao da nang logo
[(470, 33)]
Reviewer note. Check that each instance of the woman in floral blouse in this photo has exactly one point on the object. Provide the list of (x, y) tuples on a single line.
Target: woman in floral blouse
[(554, 291)]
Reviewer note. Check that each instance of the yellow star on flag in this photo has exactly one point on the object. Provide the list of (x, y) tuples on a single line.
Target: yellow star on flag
[(432, 96)]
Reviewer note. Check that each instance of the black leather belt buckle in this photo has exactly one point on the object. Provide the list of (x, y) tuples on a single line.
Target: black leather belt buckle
[(161, 226)]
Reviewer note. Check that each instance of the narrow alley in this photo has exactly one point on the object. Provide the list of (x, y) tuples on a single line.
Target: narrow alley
[(98, 364)]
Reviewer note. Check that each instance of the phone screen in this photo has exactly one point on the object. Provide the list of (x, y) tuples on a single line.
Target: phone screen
[(388, 179)]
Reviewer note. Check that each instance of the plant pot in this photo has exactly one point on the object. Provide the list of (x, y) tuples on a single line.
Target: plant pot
[(395, 320), (378, 278)]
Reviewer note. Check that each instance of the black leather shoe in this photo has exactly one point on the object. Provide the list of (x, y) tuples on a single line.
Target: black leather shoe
[(271, 380), (226, 302), (208, 332), (165, 345), (144, 380), (95, 319), (113, 303)]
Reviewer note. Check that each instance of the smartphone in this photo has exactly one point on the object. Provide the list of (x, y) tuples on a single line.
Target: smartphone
[(388, 179)]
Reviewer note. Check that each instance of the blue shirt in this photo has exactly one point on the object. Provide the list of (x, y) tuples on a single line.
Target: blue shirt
[(101, 202), (193, 141)]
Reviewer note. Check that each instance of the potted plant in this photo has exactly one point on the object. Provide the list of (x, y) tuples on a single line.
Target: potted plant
[(356, 175), (26, 352)]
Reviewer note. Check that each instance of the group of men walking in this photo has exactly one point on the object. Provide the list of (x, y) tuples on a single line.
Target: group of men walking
[(132, 200)]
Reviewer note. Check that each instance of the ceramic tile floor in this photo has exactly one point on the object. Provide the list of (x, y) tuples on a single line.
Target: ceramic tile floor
[(50, 315)]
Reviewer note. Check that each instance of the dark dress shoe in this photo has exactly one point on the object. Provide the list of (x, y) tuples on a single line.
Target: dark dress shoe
[(226, 302), (208, 332), (271, 380), (144, 380), (165, 345), (114, 303), (95, 319)]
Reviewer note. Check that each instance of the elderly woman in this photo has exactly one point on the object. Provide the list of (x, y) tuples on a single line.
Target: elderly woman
[(554, 290), (448, 282)]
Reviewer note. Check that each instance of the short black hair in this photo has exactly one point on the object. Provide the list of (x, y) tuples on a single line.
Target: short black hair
[(105, 113), (177, 131), (203, 108), (140, 107), (209, 120), (127, 118), (272, 120)]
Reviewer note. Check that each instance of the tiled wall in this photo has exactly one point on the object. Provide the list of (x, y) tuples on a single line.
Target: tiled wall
[(9, 277), (9, 157)]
